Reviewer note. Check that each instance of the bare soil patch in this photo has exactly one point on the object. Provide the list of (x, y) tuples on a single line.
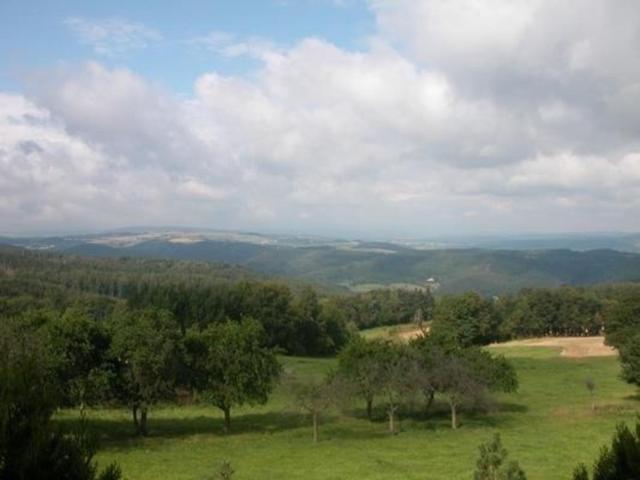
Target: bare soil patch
[(574, 347)]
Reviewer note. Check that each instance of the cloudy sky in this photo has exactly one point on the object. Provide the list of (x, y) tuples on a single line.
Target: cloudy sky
[(351, 117)]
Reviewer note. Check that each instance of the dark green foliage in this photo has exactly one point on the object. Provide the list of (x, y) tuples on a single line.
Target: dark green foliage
[(561, 311), (232, 365), (620, 461), (580, 473), (623, 331), (30, 447), (396, 373), (296, 323), (494, 371), (465, 320), (386, 307), (460, 375), (358, 362), (82, 344), (630, 359), (492, 464), (492, 272), (146, 349)]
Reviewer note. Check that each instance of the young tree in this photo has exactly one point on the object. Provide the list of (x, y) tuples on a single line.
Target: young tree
[(232, 365), (359, 363), (316, 396), (492, 464), (225, 472), (591, 387), (454, 378), (146, 346), (399, 377)]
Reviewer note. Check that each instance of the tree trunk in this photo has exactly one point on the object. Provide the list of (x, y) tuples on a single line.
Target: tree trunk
[(227, 419), (136, 423), (143, 422), (369, 408), (392, 423), (315, 427), (454, 417), (430, 396)]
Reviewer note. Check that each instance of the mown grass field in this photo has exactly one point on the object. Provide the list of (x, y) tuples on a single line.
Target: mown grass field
[(548, 426)]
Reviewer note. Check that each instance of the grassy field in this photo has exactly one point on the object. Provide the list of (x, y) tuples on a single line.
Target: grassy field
[(391, 332), (548, 426)]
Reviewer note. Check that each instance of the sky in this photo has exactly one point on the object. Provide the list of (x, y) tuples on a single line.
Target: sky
[(411, 118)]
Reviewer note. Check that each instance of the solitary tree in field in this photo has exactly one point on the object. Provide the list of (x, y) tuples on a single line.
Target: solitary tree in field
[(231, 364), (591, 386), (146, 347), (492, 464)]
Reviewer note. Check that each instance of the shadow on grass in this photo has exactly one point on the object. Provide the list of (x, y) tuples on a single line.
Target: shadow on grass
[(635, 397), (121, 429), (495, 414)]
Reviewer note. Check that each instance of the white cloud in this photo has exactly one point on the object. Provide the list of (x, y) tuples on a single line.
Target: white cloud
[(459, 116), (113, 36)]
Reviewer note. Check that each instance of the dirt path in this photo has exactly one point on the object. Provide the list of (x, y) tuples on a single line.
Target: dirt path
[(574, 347)]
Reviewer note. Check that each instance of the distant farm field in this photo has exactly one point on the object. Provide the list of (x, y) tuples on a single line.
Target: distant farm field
[(548, 426)]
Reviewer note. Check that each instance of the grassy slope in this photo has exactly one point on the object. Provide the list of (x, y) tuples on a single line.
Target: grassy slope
[(548, 426)]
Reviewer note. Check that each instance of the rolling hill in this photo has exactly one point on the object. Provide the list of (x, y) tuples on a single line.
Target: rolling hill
[(356, 264)]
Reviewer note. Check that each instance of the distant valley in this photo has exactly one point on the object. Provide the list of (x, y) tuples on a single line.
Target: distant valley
[(489, 265)]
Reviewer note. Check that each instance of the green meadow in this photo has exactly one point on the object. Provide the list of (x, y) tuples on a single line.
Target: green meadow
[(548, 426)]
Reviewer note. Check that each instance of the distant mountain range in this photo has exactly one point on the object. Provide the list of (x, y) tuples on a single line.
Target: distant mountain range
[(491, 265)]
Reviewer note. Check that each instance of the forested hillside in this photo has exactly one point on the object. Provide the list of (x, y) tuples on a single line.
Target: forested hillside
[(362, 266)]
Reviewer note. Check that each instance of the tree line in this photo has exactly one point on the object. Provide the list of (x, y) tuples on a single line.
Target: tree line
[(564, 311)]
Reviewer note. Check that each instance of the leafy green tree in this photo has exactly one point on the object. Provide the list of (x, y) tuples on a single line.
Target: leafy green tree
[(82, 346), (30, 447), (465, 320), (455, 380), (493, 371), (232, 364), (492, 464), (146, 345), (359, 362), (461, 375), (630, 359)]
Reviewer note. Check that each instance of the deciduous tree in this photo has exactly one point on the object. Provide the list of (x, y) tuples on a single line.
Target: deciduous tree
[(232, 364)]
